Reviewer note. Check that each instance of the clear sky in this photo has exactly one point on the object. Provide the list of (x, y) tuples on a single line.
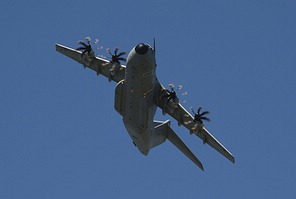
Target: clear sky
[(60, 136)]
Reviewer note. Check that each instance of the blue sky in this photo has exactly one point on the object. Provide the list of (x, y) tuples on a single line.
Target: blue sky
[(60, 136)]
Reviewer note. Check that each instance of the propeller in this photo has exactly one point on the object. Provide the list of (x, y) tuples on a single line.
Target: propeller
[(200, 116), (116, 58), (85, 47), (172, 94), (115, 61)]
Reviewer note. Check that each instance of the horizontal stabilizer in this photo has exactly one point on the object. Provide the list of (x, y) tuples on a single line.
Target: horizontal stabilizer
[(173, 138)]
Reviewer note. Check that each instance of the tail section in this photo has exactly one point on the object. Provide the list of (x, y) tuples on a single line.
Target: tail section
[(174, 139)]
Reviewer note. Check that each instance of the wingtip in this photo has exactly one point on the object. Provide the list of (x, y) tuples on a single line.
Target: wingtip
[(233, 160), (202, 169), (199, 164), (57, 46)]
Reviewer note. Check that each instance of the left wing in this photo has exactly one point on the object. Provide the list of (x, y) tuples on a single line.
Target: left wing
[(179, 113), (99, 65)]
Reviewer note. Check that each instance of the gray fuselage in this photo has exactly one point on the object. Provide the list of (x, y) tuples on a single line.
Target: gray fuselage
[(140, 106)]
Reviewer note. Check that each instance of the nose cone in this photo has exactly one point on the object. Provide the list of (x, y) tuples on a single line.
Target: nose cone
[(142, 48)]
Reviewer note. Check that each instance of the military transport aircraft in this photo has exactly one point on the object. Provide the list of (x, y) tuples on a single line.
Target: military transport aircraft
[(138, 93)]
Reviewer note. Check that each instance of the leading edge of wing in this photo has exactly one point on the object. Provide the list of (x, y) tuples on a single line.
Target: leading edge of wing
[(99, 65)]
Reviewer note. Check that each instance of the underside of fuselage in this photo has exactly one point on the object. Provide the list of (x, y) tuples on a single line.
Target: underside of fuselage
[(140, 92)]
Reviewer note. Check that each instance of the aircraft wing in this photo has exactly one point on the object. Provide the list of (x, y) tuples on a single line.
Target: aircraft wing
[(99, 65), (179, 113)]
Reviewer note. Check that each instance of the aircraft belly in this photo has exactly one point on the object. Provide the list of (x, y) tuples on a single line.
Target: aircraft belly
[(140, 110)]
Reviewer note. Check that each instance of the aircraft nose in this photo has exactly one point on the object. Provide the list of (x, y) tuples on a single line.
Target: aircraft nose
[(142, 49)]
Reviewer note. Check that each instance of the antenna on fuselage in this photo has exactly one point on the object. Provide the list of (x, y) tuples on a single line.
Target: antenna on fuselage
[(154, 45), (154, 48)]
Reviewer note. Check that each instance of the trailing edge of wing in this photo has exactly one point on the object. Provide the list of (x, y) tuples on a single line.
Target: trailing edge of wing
[(173, 138)]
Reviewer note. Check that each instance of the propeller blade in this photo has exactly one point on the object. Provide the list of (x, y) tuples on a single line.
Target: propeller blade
[(82, 43), (205, 118), (115, 52), (204, 113), (198, 110), (80, 48), (120, 54), (122, 59)]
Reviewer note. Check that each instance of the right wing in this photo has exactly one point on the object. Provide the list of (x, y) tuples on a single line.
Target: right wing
[(99, 65), (183, 117)]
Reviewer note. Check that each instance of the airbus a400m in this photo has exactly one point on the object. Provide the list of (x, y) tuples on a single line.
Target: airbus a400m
[(138, 93)]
